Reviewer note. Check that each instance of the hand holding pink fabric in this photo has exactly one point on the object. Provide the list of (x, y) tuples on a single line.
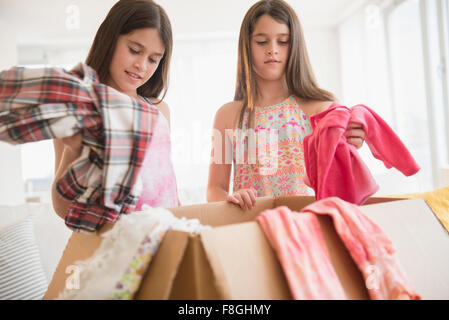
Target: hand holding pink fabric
[(334, 168)]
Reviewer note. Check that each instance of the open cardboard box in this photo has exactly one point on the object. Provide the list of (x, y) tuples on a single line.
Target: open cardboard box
[(234, 260)]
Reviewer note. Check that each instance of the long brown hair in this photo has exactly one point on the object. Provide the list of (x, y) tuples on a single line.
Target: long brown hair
[(124, 17), (299, 75)]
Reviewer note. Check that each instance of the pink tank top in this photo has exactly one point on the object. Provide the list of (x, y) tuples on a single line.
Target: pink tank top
[(158, 176)]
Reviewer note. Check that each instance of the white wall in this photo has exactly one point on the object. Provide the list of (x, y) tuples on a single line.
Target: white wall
[(12, 191), (324, 51), (204, 59)]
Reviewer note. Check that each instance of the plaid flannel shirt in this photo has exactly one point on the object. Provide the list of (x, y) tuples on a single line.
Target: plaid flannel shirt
[(48, 103)]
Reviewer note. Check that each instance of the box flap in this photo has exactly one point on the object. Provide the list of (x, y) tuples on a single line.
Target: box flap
[(297, 203), (158, 280), (222, 213), (347, 271), (243, 263), (79, 247), (292, 202), (195, 279), (421, 242)]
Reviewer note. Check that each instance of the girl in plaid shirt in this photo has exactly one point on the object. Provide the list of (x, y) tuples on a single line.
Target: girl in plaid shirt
[(131, 53)]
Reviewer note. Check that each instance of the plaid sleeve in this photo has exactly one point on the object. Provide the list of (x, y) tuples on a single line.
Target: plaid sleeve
[(43, 103)]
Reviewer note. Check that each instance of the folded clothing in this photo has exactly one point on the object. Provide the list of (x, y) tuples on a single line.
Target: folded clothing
[(335, 169), (49, 103), (304, 258)]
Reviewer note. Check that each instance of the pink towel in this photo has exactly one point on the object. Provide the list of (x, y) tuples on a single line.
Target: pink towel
[(303, 254), (334, 168)]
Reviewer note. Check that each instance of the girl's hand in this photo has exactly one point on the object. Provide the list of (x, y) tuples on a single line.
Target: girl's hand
[(355, 134), (245, 198)]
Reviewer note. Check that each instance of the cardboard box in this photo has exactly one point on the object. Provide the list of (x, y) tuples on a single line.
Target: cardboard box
[(234, 260)]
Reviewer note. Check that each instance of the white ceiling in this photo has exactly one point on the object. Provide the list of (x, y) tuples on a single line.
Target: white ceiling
[(44, 20)]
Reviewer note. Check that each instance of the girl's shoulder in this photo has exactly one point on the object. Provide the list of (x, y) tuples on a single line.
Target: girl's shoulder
[(312, 107), (162, 106), (233, 106), (228, 114)]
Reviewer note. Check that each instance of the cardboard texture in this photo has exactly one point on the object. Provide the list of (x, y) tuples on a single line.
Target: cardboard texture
[(421, 241), (234, 260)]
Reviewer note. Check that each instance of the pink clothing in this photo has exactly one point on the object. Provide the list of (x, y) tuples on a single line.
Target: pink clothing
[(334, 168), (158, 176), (300, 247), (300, 255)]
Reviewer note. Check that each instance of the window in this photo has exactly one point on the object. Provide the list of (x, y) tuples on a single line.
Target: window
[(38, 170), (408, 84), (393, 61)]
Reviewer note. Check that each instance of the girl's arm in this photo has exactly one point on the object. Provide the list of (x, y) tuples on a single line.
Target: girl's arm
[(219, 173), (221, 161), (67, 150), (163, 108)]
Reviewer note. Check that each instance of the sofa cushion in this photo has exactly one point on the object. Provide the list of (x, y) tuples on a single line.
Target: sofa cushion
[(22, 276)]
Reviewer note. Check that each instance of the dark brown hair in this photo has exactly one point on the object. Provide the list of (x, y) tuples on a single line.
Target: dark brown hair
[(124, 17), (299, 75)]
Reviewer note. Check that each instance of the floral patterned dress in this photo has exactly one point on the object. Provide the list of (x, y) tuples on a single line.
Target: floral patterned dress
[(270, 157)]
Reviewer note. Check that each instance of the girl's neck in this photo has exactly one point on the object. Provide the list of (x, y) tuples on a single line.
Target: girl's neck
[(271, 92)]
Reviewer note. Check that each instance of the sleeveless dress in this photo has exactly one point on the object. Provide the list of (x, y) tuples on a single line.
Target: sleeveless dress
[(157, 173), (274, 164)]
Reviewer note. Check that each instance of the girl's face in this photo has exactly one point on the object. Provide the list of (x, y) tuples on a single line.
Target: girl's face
[(270, 47), (135, 59)]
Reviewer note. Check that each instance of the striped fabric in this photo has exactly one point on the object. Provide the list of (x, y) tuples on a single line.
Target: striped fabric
[(22, 276), (48, 103)]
